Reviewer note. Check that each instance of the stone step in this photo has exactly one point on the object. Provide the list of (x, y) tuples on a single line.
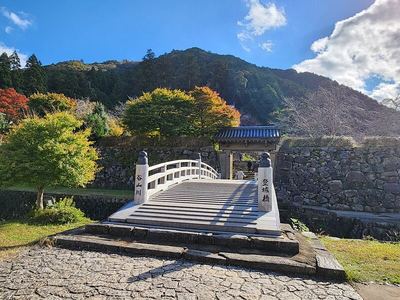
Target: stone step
[(80, 240), (286, 244)]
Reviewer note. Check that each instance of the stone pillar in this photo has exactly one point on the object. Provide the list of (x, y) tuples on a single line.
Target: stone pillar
[(141, 179), (230, 165), (226, 162), (265, 183)]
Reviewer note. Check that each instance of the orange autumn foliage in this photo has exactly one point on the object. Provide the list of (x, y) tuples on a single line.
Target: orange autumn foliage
[(13, 104), (211, 112)]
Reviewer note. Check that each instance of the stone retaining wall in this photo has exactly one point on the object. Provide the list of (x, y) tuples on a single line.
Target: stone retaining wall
[(332, 223), (360, 178)]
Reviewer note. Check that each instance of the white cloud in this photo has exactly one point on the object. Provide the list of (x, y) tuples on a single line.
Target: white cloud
[(319, 45), (242, 36), (259, 19), (267, 46), (8, 29), (362, 46), (9, 50), (21, 20), (386, 90)]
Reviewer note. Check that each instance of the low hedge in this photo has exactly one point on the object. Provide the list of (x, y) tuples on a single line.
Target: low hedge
[(17, 204)]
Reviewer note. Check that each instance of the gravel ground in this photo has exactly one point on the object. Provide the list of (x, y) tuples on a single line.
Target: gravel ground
[(54, 273)]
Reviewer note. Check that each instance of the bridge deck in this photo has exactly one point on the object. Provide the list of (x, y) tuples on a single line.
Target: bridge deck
[(207, 205)]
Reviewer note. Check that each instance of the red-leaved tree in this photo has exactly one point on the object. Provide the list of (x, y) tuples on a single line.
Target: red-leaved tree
[(12, 104)]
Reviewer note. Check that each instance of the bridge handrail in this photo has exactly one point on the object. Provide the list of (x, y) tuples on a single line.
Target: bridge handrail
[(170, 163), (152, 179)]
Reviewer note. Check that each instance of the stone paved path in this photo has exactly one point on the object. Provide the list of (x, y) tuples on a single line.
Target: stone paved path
[(53, 273)]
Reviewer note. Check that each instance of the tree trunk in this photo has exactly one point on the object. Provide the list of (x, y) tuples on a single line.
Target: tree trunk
[(39, 198)]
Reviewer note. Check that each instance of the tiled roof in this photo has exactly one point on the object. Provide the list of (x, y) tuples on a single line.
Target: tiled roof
[(247, 133)]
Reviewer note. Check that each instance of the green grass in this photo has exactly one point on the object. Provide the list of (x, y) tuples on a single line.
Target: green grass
[(16, 234), (365, 260), (79, 191)]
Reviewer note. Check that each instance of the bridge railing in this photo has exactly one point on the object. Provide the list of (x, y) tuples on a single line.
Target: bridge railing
[(150, 180)]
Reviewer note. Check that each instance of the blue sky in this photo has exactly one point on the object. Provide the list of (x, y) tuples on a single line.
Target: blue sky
[(276, 34)]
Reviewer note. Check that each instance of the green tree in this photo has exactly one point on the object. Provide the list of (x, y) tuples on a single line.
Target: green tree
[(46, 152), (192, 72), (16, 73), (211, 112), (97, 121), (42, 104), (15, 62), (34, 76), (146, 76), (5, 71), (162, 112)]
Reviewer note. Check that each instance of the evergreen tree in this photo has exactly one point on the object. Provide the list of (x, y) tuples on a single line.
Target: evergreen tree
[(16, 73), (97, 121), (5, 71), (15, 62), (150, 55), (192, 72), (147, 72), (34, 76)]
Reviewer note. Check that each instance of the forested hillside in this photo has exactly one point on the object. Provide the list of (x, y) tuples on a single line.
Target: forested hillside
[(257, 92)]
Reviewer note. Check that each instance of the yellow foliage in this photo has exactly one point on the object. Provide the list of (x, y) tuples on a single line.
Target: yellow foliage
[(42, 104), (115, 128)]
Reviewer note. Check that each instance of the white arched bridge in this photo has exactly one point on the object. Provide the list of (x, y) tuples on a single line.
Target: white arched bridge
[(188, 195)]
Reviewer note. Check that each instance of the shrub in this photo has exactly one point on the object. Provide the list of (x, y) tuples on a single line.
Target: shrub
[(298, 225), (62, 212)]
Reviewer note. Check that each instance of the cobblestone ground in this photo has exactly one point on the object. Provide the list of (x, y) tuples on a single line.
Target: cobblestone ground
[(53, 273)]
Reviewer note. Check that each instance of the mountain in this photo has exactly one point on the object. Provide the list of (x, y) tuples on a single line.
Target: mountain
[(256, 91)]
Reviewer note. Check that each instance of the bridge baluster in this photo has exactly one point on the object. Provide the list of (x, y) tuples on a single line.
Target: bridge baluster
[(199, 164)]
